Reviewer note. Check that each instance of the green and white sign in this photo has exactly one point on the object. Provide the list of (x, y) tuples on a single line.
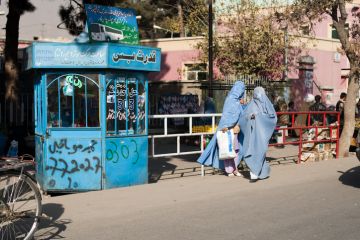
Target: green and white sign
[(112, 24)]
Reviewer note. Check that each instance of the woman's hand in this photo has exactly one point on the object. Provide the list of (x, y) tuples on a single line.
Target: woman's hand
[(236, 129), (224, 129)]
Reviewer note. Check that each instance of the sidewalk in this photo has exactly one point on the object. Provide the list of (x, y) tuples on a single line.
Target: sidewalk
[(186, 166), (316, 200)]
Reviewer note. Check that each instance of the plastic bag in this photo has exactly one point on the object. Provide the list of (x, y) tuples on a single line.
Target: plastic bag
[(225, 142)]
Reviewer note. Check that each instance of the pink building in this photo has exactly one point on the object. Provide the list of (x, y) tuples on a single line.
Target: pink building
[(182, 71)]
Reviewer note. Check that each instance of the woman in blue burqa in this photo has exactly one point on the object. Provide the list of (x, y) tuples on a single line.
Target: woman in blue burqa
[(232, 110), (257, 126)]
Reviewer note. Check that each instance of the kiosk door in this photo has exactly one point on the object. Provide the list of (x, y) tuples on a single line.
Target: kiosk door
[(73, 134), (126, 154)]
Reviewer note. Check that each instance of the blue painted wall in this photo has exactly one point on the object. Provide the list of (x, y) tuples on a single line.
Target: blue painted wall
[(126, 161), (72, 163)]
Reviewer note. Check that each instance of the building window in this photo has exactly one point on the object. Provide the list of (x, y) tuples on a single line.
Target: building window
[(195, 71), (334, 33), (305, 30)]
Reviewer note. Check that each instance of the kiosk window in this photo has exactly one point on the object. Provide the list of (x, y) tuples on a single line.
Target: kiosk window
[(73, 100), (125, 106)]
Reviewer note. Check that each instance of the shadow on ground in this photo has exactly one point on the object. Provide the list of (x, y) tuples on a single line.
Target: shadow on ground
[(51, 225), (282, 160), (351, 177), (164, 168)]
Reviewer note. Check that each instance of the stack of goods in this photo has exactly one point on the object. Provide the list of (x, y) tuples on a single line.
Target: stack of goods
[(203, 129), (318, 152)]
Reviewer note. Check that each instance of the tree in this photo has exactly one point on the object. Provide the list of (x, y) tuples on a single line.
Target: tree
[(11, 71), (313, 11), (250, 40), (186, 17), (170, 15), (196, 17)]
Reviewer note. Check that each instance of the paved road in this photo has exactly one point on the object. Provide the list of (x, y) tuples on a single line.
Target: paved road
[(318, 200)]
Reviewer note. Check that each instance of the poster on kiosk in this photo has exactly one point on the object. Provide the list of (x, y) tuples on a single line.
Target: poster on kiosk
[(91, 105)]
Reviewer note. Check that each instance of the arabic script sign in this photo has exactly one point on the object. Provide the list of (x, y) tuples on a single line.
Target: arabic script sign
[(145, 58), (94, 55), (66, 55), (112, 24)]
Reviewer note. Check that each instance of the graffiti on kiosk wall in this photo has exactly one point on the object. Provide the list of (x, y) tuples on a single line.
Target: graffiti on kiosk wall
[(124, 151), (70, 161)]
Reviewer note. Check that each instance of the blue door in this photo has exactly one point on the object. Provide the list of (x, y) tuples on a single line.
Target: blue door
[(126, 152), (73, 143)]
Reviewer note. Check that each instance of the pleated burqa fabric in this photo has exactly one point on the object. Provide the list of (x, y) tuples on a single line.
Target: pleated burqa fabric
[(257, 125), (232, 110)]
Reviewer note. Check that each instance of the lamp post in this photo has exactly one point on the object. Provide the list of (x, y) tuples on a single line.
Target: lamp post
[(210, 47), (167, 30)]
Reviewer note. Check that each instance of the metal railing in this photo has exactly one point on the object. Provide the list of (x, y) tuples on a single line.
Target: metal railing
[(292, 126), (178, 136), (315, 122)]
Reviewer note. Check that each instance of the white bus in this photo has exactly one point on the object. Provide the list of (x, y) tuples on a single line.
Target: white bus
[(101, 32)]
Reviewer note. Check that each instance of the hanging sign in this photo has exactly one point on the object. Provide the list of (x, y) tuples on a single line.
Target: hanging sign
[(112, 24), (92, 55)]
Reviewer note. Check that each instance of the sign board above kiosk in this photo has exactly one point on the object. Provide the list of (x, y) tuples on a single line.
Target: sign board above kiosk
[(92, 55), (111, 24)]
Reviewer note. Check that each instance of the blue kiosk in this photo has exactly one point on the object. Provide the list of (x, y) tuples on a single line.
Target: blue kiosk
[(91, 102)]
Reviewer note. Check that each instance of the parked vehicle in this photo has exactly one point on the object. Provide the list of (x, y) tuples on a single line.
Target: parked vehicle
[(100, 32)]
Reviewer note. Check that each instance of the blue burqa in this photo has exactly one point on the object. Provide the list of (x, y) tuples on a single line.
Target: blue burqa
[(231, 113), (257, 125)]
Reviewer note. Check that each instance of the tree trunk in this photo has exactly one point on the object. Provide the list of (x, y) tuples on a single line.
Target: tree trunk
[(11, 50), (349, 115), (181, 19)]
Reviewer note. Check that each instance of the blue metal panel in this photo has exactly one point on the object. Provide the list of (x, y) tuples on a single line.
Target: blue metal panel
[(93, 55), (102, 106), (126, 161), (36, 120), (43, 104), (39, 159), (79, 133), (72, 163), (146, 107), (126, 106)]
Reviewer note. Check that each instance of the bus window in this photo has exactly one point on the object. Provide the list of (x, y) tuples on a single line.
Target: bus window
[(94, 28)]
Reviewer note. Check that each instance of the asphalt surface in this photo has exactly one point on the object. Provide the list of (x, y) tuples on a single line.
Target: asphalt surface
[(317, 200)]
